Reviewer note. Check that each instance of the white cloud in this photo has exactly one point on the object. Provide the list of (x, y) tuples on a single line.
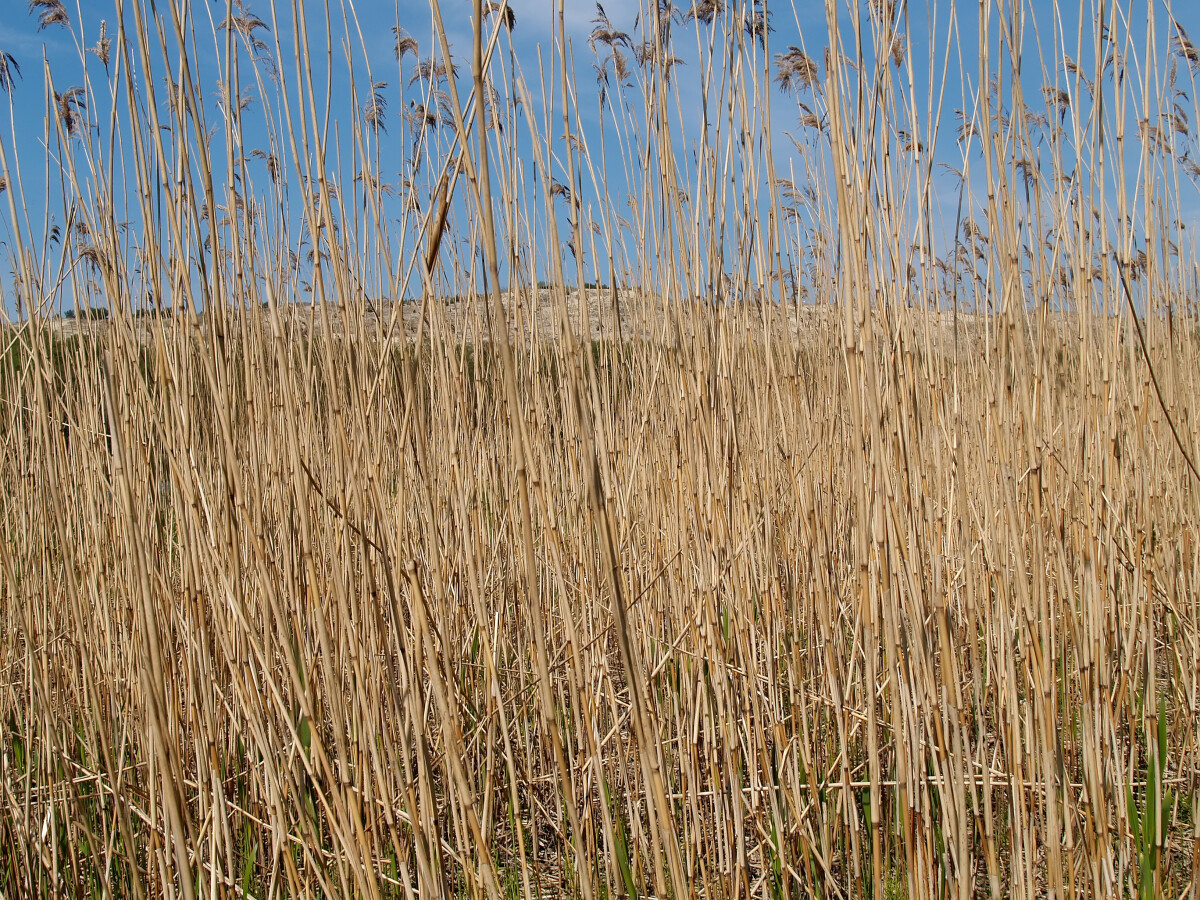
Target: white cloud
[(541, 16)]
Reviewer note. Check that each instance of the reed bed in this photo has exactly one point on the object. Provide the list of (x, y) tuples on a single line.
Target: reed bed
[(847, 555)]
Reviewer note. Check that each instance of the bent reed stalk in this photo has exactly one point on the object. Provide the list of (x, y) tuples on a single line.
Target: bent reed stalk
[(823, 546)]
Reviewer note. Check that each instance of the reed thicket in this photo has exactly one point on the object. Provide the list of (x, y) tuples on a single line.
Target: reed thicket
[(826, 547)]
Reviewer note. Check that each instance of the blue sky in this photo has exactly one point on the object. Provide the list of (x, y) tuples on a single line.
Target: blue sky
[(51, 59)]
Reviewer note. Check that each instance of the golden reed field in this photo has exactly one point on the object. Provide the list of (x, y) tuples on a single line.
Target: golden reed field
[(841, 540)]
